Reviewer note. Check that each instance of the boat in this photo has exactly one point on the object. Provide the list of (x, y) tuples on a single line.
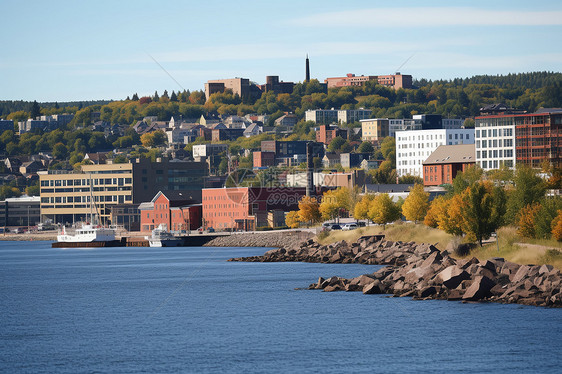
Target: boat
[(161, 237), (88, 234)]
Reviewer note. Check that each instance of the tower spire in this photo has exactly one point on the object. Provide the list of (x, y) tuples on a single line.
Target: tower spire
[(307, 78)]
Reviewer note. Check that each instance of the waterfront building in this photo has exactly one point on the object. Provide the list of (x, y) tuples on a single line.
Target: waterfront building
[(20, 211), (67, 196), (247, 208), (174, 209), (126, 216), (442, 166), (510, 139), (414, 147)]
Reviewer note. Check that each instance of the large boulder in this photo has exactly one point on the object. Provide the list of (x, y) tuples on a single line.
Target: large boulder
[(479, 289), (374, 287), (453, 276)]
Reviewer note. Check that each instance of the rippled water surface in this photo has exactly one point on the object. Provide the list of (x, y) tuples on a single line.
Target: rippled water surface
[(160, 310)]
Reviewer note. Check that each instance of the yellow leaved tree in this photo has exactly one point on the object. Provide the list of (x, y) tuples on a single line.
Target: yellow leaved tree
[(292, 219), (416, 204), (309, 210), (383, 210)]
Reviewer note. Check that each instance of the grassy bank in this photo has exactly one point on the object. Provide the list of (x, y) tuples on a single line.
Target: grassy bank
[(511, 246), (406, 232)]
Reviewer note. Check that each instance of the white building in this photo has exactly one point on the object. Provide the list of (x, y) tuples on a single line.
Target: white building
[(402, 124), (206, 150), (414, 147), (353, 115), (495, 143), (322, 116)]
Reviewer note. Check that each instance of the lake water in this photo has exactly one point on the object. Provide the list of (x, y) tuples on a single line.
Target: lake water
[(156, 310)]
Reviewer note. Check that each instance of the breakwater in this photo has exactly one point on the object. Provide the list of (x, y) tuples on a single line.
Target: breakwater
[(422, 271), (281, 239)]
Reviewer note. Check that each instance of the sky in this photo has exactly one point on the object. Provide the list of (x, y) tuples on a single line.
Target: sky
[(108, 50)]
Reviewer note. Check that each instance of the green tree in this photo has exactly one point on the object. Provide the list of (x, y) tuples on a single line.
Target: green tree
[(484, 210), (416, 204), (35, 110), (366, 147), (529, 189), (60, 152), (336, 144)]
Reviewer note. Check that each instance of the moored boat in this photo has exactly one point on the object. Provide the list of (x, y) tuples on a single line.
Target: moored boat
[(161, 237)]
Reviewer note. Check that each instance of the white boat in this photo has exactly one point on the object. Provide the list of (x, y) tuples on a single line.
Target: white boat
[(161, 237), (86, 234)]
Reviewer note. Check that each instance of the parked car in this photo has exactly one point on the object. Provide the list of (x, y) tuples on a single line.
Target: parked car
[(349, 226), (210, 229), (327, 225), (335, 226)]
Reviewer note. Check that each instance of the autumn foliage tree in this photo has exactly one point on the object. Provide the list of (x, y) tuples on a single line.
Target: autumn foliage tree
[(382, 210), (416, 204), (437, 209), (335, 203), (293, 219), (309, 210), (557, 227), (527, 219)]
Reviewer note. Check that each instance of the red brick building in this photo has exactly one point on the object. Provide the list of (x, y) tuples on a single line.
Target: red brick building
[(442, 166), (263, 159), (247, 208), (326, 133), (173, 209)]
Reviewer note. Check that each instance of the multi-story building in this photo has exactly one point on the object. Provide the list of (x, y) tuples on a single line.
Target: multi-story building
[(71, 196), (246, 208), (442, 166), (402, 124), (172, 208), (353, 115), (263, 159), (20, 211), (6, 124), (326, 133), (353, 160), (414, 147), (395, 80), (511, 139), (291, 148), (206, 150), (272, 83), (374, 130), (323, 116)]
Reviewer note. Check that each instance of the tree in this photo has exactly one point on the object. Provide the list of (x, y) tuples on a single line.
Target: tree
[(383, 210), (557, 227), (451, 218), (329, 207), (410, 179), (292, 219), (33, 190), (416, 204), (366, 147), (135, 97), (483, 211), (361, 210), (154, 139), (529, 189), (336, 144), (437, 209), (35, 110), (527, 217), (309, 210), (60, 152), (173, 97)]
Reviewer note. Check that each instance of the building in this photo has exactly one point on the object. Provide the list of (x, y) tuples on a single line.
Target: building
[(349, 80), (66, 196), (402, 124), (510, 139), (353, 160), (326, 133), (442, 166), (330, 160), (174, 209), (273, 84), (283, 149), (263, 159), (414, 147), (288, 120), (253, 130), (239, 86), (353, 115), (246, 208), (218, 135), (206, 150), (395, 81), (20, 211), (374, 130), (323, 116), (126, 216)]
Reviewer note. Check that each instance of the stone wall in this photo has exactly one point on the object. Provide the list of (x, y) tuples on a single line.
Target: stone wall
[(262, 239)]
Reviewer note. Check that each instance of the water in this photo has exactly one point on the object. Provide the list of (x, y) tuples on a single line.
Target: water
[(155, 310)]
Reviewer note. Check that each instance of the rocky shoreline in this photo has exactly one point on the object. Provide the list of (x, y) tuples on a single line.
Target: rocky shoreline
[(282, 239), (422, 271)]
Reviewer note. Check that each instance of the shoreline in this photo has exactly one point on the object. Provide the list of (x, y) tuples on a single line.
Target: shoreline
[(421, 271)]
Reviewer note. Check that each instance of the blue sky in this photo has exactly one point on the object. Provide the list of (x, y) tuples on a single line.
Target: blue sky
[(89, 50)]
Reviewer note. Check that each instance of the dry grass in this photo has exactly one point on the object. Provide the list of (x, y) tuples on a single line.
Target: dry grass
[(406, 232), (519, 250)]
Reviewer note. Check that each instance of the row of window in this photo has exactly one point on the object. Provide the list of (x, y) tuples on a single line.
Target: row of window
[(495, 164), (85, 182), (494, 143), (489, 133), (85, 189), (508, 153), (85, 199)]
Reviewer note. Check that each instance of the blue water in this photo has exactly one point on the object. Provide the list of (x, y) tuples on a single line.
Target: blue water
[(149, 310)]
